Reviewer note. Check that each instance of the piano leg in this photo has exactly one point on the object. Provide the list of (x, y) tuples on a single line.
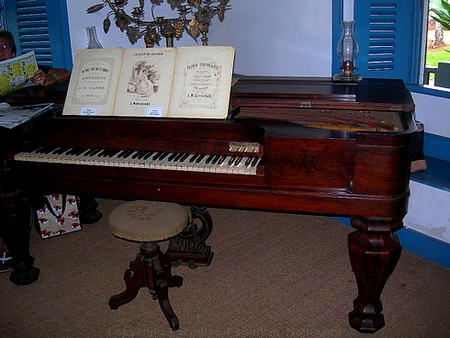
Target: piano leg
[(374, 252), (15, 224), (88, 210), (189, 247)]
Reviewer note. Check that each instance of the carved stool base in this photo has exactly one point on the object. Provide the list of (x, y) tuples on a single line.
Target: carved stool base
[(150, 269)]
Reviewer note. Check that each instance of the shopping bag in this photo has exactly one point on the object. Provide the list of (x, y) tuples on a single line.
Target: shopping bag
[(58, 216)]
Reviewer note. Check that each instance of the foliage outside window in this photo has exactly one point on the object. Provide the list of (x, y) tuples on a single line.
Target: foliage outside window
[(438, 44)]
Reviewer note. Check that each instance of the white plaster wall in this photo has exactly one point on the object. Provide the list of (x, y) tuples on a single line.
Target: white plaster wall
[(429, 211), (429, 207), (434, 113), (287, 38)]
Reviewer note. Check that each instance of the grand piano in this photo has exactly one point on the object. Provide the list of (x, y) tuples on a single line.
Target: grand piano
[(301, 145)]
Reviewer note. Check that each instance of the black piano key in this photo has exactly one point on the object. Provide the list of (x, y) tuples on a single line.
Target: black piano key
[(41, 150), (82, 151), (142, 154), (184, 157), (156, 156), (32, 148), (193, 158), (110, 153), (88, 153), (172, 157), (93, 152), (76, 151), (209, 159), (101, 153), (137, 154), (248, 161), (163, 156), (114, 152), (127, 153), (200, 158), (38, 150), (231, 160), (45, 150), (68, 151), (106, 153), (146, 156), (54, 152), (121, 153), (255, 160), (215, 159), (178, 156), (222, 159), (238, 160)]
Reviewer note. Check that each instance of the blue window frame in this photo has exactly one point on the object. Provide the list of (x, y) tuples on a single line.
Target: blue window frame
[(42, 26), (389, 34)]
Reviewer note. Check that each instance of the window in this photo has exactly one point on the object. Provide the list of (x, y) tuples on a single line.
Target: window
[(437, 52), (392, 40), (42, 26)]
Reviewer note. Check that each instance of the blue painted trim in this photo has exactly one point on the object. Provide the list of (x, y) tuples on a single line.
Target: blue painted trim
[(436, 146), (429, 91), (419, 244), (59, 26), (345, 220), (437, 174), (337, 17), (424, 246)]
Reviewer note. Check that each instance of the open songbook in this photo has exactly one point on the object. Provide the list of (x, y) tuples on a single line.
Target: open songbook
[(184, 82)]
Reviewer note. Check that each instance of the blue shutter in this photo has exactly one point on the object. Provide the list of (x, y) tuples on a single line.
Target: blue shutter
[(41, 26), (385, 31)]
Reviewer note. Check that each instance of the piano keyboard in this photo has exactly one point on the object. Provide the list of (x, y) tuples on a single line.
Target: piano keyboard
[(197, 162)]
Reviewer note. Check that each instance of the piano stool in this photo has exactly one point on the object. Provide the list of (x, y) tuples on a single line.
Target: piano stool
[(149, 222)]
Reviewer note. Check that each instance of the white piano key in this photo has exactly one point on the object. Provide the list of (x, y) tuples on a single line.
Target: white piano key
[(207, 163)]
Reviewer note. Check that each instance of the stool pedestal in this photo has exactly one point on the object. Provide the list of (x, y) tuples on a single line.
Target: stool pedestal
[(189, 247), (151, 269)]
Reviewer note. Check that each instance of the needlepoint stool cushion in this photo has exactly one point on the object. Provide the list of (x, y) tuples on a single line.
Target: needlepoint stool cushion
[(147, 221)]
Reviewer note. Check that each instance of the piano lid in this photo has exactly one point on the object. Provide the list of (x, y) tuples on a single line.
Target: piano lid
[(300, 87), (313, 92)]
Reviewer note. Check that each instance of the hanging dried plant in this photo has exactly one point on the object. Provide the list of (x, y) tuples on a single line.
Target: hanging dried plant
[(194, 17)]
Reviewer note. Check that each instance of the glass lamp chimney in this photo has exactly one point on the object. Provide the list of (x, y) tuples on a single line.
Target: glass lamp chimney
[(347, 50)]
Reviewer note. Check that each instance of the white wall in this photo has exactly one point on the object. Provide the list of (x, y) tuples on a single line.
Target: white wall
[(434, 113), (429, 211), (288, 38)]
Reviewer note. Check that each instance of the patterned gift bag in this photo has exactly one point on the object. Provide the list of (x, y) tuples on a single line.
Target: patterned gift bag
[(58, 216)]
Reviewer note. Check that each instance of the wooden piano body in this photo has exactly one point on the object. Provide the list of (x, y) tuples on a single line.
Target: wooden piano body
[(322, 148)]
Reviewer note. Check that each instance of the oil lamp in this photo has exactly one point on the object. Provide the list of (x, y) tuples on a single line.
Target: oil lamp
[(347, 50)]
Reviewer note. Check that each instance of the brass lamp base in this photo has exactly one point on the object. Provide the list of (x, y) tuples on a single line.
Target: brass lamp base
[(347, 78)]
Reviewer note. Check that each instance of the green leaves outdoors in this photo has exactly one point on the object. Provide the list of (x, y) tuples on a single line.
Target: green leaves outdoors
[(440, 11)]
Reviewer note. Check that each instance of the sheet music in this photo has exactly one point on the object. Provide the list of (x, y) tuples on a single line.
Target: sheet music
[(12, 116)]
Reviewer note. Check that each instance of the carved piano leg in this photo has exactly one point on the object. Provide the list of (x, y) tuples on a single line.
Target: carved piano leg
[(88, 210), (189, 247), (15, 224), (374, 252)]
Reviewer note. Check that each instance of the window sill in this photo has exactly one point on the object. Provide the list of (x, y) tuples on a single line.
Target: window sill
[(444, 92), (437, 174)]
